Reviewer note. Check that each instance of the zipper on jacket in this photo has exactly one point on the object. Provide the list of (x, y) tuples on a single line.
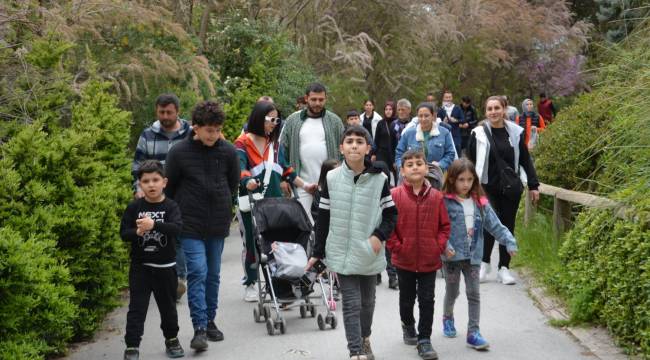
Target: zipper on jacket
[(417, 231), (347, 252), (206, 164)]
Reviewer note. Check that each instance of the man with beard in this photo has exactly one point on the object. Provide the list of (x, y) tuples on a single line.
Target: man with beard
[(309, 137), (154, 143)]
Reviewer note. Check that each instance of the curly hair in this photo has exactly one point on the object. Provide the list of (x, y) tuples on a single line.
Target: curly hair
[(208, 112)]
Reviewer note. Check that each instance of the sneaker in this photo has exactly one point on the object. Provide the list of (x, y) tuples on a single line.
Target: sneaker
[(476, 341), (393, 283), (181, 288), (367, 349), (174, 349), (448, 328), (409, 335), (358, 357), (131, 354), (378, 278), (250, 293), (214, 334), (200, 340), (485, 270), (504, 276), (425, 350)]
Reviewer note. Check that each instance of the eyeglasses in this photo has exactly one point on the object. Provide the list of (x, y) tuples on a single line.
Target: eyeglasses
[(273, 120)]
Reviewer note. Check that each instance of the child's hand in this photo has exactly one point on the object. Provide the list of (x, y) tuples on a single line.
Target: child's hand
[(251, 184), (146, 223), (310, 188), (512, 253), (139, 231), (274, 246), (375, 243), (311, 263), (450, 253)]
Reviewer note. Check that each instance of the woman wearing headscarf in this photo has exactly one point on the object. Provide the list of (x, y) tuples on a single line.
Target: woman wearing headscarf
[(528, 120)]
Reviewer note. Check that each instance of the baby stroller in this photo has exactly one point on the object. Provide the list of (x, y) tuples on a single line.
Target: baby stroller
[(285, 222)]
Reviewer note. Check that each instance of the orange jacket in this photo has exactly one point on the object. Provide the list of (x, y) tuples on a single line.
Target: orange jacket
[(529, 124)]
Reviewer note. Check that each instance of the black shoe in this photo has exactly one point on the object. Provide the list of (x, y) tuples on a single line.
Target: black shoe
[(409, 334), (214, 334), (200, 340), (425, 350), (378, 279), (174, 349), (131, 354), (392, 282)]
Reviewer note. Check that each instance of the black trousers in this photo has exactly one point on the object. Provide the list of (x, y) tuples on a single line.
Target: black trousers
[(143, 280), (422, 286), (506, 210)]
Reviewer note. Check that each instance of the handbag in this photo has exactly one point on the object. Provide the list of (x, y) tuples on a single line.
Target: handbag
[(243, 202), (510, 184), (290, 260)]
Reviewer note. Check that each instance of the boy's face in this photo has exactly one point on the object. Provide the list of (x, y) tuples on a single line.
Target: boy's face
[(152, 184), (208, 134), (354, 121), (414, 170), (354, 148)]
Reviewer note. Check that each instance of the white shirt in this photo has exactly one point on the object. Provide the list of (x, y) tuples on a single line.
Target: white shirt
[(313, 149), (376, 118), (468, 209), (415, 121)]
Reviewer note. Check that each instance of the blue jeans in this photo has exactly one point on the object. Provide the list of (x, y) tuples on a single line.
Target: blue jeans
[(203, 259), (181, 268)]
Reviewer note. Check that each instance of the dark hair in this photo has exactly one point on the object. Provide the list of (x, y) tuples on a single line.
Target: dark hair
[(431, 93), (392, 105), (208, 112), (446, 91), (370, 101), (315, 88), (257, 118), (265, 98), (427, 105), (150, 166), (351, 113), (542, 95), (356, 131), (329, 164), (166, 99), (300, 100), (466, 99), (456, 168), (412, 154)]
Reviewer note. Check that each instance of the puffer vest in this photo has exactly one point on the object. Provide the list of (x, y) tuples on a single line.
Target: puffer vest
[(354, 214)]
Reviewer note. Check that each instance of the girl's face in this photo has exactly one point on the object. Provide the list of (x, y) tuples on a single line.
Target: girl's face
[(388, 111), (426, 119), (368, 107), (495, 112), (529, 106), (271, 121), (464, 183)]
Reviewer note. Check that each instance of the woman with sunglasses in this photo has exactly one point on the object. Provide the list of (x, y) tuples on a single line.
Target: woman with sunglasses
[(259, 152)]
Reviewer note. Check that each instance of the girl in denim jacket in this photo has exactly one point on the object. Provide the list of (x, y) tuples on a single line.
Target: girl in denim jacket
[(469, 214)]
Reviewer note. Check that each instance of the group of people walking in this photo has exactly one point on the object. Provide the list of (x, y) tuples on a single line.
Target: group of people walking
[(369, 186)]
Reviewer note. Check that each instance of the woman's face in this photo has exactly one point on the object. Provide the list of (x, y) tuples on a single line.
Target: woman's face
[(368, 107), (426, 119), (271, 121), (495, 112), (529, 106), (388, 111)]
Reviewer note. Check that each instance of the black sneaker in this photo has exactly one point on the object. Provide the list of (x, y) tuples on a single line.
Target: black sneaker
[(409, 334), (425, 350), (392, 282), (214, 334), (131, 354), (200, 340), (174, 349)]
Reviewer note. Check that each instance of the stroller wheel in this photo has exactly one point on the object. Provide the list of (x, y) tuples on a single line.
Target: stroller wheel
[(256, 315), (312, 310), (266, 312), (303, 311), (332, 320), (283, 326), (321, 322), (269, 327)]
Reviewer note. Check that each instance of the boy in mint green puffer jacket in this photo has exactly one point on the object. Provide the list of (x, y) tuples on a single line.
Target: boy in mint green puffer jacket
[(356, 216)]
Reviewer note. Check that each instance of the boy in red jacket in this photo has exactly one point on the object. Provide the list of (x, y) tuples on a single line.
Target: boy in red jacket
[(420, 237)]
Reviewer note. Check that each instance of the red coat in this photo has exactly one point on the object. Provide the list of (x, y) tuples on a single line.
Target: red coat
[(422, 229)]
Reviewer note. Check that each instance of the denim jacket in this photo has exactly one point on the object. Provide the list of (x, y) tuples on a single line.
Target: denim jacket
[(440, 146), (484, 218)]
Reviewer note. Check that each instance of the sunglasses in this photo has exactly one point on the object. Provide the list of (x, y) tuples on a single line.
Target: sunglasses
[(273, 120)]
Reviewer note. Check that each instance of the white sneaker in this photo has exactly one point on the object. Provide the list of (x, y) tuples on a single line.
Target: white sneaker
[(485, 270), (505, 277), (250, 293)]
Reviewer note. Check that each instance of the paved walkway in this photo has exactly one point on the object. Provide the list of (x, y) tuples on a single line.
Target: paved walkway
[(512, 324)]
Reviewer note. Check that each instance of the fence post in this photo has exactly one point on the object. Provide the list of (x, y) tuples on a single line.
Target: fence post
[(561, 216)]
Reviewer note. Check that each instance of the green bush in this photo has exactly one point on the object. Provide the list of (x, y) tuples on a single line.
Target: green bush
[(36, 298)]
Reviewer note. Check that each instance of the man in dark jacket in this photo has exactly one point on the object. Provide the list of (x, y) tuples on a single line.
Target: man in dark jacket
[(471, 119), (203, 174), (452, 115), (546, 108)]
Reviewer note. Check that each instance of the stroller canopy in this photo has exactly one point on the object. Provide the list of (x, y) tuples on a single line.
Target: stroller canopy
[(281, 219)]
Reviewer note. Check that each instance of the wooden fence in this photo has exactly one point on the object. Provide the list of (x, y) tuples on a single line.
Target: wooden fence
[(563, 199)]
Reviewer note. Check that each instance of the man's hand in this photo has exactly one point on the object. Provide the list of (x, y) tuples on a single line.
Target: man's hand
[(146, 224), (375, 243)]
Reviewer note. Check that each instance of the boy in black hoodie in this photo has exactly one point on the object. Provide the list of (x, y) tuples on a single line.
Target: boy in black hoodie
[(151, 225)]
